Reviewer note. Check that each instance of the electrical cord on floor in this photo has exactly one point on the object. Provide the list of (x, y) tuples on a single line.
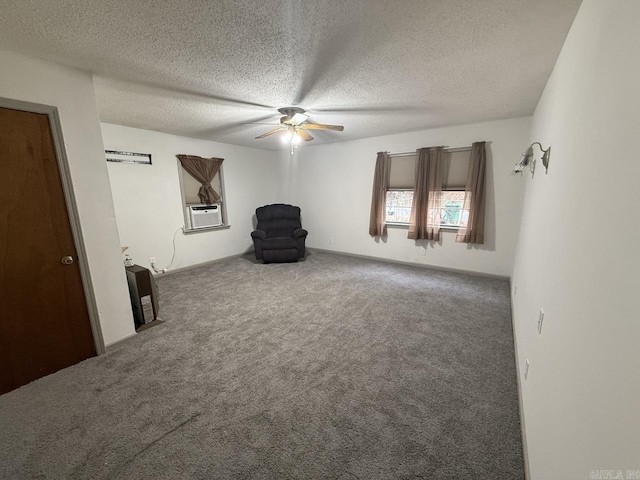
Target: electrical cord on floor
[(173, 257)]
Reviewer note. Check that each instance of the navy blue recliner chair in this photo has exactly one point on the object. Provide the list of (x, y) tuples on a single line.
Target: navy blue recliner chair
[(279, 236)]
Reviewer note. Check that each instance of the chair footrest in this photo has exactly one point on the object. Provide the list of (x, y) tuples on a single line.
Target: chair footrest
[(280, 256)]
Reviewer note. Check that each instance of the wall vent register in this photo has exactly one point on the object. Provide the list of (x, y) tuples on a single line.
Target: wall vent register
[(205, 216)]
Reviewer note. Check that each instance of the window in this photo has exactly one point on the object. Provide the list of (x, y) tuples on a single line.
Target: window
[(400, 192), (451, 203), (203, 220), (401, 185), (399, 205)]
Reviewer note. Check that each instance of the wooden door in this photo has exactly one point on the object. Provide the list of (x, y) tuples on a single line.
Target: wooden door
[(44, 322)]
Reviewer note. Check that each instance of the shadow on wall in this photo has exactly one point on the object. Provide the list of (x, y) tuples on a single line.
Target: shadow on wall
[(428, 243)]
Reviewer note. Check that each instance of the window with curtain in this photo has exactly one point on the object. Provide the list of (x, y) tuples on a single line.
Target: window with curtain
[(191, 187), (453, 188), (400, 190), (402, 184), (201, 183)]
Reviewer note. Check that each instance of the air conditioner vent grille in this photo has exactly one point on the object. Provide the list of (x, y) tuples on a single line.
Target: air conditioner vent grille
[(204, 216)]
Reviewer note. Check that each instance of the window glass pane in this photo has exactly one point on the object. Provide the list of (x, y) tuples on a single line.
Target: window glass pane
[(451, 211), (399, 205)]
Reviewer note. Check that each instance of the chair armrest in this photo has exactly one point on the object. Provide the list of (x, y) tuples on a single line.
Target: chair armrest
[(300, 232), (259, 234)]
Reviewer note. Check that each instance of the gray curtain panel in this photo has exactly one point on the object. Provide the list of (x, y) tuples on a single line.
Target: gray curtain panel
[(377, 225), (472, 223), (203, 170), (425, 212)]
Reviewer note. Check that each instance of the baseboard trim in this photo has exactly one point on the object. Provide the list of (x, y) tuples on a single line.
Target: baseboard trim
[(198, 265), (413, 264), (120, 340), (523, 429)]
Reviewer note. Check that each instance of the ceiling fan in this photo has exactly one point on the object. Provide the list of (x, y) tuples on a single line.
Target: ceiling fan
[(295, 125)]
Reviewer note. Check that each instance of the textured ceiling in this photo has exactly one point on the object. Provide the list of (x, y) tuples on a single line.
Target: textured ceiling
[(204, 68)]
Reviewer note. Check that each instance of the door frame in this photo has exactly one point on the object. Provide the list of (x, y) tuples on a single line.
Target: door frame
[(72, 209)]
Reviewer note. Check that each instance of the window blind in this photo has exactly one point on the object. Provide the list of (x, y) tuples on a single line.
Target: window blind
[(403, 172), (456, 169)]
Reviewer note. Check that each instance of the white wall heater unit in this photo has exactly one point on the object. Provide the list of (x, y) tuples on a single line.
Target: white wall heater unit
[(204, 216)]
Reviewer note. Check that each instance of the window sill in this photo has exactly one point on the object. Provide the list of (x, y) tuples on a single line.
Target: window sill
[(447, 228), (397, 225), (189, 231)]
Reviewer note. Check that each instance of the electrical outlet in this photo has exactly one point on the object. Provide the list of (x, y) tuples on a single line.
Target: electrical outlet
[(330, 241), (540, 319), (526, 369), (248, 242), (515, 290), (152, 260), (423, 251)]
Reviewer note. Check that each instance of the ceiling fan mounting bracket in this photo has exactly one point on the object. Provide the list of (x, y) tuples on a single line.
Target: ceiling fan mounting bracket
[(291, 111), (292, 115)]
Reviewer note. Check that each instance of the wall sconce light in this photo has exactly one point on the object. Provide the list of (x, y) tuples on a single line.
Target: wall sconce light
[(528, 164)]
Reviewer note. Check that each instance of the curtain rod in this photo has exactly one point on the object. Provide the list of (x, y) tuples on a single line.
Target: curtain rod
[(407, 154)]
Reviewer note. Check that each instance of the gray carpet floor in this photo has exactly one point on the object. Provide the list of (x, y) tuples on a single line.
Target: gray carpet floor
[(331, 368)]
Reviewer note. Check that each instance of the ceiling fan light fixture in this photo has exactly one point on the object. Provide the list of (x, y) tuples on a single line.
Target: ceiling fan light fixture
[(287, 137), (294, 126)]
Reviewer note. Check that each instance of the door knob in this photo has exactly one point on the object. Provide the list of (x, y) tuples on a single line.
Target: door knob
[(68, 260)]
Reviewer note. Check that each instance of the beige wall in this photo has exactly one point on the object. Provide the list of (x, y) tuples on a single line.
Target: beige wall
[(148, 204), (71, 91), (578, 256), (332, 184)]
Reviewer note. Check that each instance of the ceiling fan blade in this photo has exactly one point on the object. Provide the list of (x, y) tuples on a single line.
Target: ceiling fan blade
[(304, 135), (298, 118), (270, 132), (319, 126)]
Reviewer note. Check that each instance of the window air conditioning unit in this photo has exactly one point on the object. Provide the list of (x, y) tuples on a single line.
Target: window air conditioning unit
[(204, 216)]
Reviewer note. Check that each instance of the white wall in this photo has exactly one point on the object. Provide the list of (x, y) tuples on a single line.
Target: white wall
[(578, 256), (148, 203), (71, 91), (332, 184)]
